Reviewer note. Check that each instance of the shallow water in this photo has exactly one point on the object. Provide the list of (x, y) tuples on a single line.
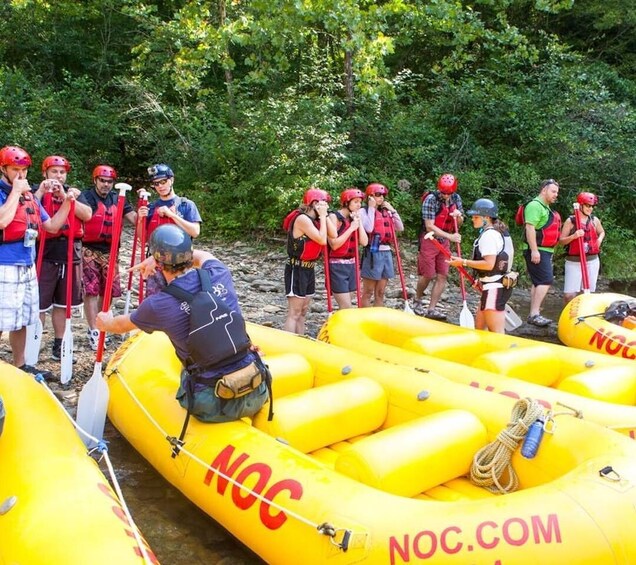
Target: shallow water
[(176, 530)]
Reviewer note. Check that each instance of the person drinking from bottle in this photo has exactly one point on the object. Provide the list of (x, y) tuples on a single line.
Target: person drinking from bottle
[(167, 209), (589, 238), (491, 259), (307, 230), (54, 271), (440, 210), (380, 220), (98, 233), (21, 217), (342, 248)]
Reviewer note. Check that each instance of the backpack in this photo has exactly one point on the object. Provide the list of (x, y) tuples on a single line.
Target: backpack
[(519, 219), (288, 221), (217, 333)]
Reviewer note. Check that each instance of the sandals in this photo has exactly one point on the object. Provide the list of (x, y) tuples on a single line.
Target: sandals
[(435, 314), (419, 308), (539, 321)]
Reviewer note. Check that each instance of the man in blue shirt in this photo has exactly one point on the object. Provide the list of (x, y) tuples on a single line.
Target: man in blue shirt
[(21, 217), (171, 248)]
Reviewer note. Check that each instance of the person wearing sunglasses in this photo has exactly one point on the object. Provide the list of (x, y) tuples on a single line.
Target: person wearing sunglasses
[(380, 220), (98, 233), (590, 236), (167, 209), (542, 228)]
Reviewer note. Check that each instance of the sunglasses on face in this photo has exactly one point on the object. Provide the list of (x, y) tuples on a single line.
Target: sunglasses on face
[(378, 194), (106, 181), (159, 182)]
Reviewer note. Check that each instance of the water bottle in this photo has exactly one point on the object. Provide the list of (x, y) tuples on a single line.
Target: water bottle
[(375, 243), (532, 440)]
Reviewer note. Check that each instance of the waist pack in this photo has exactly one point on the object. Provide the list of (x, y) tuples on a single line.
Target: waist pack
[(239, 383), (509, 280)]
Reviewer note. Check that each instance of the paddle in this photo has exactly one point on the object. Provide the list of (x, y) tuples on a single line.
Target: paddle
[(466, 319), (513, 321), (143, 201), (398, 258), (66, 363), (34, 331), (143, 195), (585, 280), (357, 266), (327, 281), (93, 400)]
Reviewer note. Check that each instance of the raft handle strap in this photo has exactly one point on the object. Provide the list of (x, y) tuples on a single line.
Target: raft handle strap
[(327, 529), (609, 474)]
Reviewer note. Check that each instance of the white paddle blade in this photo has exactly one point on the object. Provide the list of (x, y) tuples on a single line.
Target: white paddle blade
[(466, 319), (127, 303), (513, 321), (33, 343), (407, 308), (66, 364), (92, 406)]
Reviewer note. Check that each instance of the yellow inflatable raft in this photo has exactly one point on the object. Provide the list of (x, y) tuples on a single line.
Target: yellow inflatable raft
[(365, 462), (582, 325), (56, 506), (602, 388)]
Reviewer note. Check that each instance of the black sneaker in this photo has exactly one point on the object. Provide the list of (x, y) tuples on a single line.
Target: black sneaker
[(56, 350), (46, 375)]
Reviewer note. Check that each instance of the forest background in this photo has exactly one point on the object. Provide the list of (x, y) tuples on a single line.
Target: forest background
[(253, 101)]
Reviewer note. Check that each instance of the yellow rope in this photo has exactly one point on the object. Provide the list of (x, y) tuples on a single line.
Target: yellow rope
[(491, 464)]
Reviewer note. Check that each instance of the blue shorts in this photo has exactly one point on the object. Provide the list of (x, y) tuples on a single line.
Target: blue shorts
[(377, 266), (541, 273), (342, 277)]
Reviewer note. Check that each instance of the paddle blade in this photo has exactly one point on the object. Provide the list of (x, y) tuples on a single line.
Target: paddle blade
[(92, 406), (513, 321), (127, 303), (407, 308), (466, 319), (66, 364), (33, 343)]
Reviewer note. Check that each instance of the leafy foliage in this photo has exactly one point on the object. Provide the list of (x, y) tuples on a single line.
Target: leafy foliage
[(252, 102)]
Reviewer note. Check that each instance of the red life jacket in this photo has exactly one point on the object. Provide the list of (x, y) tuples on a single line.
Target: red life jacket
[(302, 248), (27, 216), (548, 235), (99, 229), (52, 206), (348, 249), (382, 225), (589, 239), (443, 218), (156, 220)]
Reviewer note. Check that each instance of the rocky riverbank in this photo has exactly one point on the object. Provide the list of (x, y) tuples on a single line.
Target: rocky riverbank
[(257, 268)]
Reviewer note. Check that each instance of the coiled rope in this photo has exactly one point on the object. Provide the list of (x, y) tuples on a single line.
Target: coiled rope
[(491, 464), (103, 450)]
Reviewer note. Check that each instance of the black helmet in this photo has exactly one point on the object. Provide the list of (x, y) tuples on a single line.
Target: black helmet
[(160, 171), (170, 245), (483, 207)]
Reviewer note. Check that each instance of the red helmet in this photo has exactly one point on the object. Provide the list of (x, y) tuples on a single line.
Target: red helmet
[(104, 171), (313, 194), (13, 155), (376, 188), (587, 198), (447, 184), (349, 194), (55, 161)]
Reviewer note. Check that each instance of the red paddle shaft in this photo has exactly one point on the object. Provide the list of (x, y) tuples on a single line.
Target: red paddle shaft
[(447, 253), (112, 260), (398, 259), (143, 201), (325, 254), (69, 258), (459, 254), (356, 241), (584, 274)]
